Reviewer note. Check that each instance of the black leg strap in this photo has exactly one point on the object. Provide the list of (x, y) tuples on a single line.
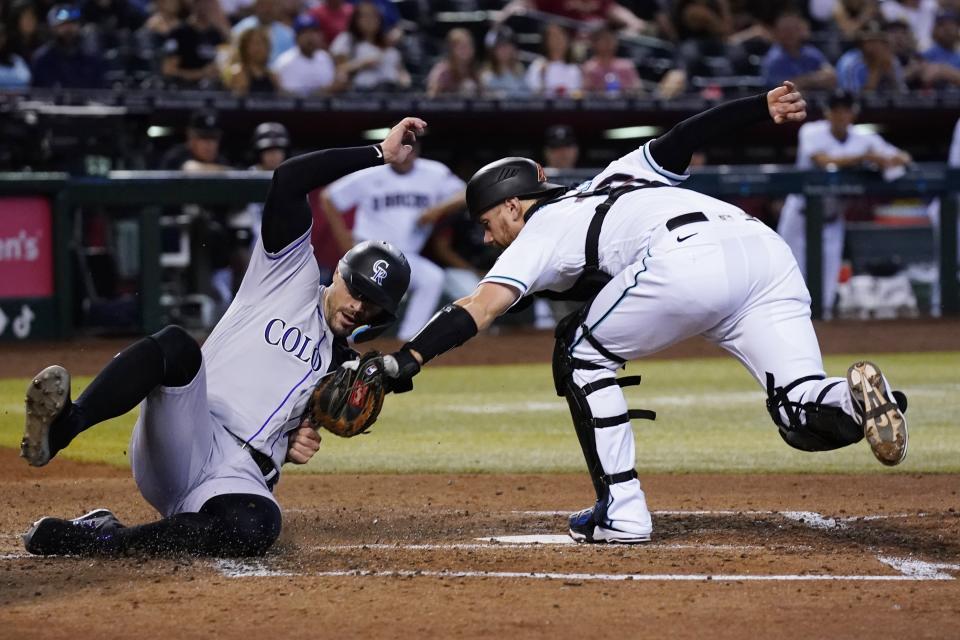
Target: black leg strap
[(602, 350), (626, 381), (623, 418), (777, 397), (577, 363), (617, 478)]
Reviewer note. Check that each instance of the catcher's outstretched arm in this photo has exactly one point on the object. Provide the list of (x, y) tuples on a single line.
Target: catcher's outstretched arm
[(673, 150), (449, 328)]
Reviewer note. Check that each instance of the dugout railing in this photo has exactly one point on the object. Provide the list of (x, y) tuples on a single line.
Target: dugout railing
[(146, 191)]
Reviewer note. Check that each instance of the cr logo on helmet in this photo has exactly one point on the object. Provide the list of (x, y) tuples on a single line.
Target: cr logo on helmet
[(380, 271)]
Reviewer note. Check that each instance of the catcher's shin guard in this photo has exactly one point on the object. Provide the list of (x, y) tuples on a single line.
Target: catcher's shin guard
[(825, 428), (584, 423)]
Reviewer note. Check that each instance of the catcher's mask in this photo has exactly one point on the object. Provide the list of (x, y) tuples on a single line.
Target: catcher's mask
[(378, 272), (504, 179)]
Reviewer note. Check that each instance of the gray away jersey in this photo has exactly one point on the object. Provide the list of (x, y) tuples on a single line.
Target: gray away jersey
[(270, 348)]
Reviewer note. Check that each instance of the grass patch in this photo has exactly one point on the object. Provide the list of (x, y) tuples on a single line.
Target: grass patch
[(507, 419)]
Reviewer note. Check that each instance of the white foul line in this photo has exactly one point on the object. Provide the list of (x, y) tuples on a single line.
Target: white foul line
[(473, 546), (235, 569)]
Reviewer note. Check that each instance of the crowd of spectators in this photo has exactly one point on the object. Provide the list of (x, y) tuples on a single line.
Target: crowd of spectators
[(481, 47)]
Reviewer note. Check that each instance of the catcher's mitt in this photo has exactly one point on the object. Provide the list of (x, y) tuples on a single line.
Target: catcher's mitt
[(348, 402)]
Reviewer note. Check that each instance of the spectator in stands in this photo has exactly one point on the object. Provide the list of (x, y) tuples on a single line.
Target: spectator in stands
[(267, 14), (702, 19), (704, 52), (165, 18), (852, 16), (604, 72), (596, 12), (872, 66), (63, 62), (390, 202), (236, 10), (190, 53), (307, 68), (334, 18), (250, 71), (14, 72), (503, 73), (904, 46), (829, 145), (555, 73), (946, 38), (201, 151), (24, 29), (110, 16), (457, 73), (919, 14), (791, 59), (365, 60)]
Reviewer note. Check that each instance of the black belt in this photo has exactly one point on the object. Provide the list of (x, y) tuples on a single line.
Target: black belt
[(265, 464), (687, 218)]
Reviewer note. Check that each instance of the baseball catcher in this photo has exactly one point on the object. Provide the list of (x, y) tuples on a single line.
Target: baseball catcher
[(217, 423), (655, 264)]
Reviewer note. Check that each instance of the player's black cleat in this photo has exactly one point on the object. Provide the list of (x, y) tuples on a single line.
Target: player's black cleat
[(81, 536), (880, 412), (585, 528), (48, 405)]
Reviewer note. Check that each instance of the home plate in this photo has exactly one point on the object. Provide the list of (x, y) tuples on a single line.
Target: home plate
[(546, 539)]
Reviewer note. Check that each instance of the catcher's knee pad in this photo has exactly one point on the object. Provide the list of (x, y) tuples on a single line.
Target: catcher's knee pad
[(181, 355), (584, 423), (824, 428)]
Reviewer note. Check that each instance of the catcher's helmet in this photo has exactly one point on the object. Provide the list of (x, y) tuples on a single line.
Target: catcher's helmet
[(271, 135), (376, 271), (507, 178)]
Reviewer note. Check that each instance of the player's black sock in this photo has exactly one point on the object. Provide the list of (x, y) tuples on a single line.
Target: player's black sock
[(236, 524), (170, 358)]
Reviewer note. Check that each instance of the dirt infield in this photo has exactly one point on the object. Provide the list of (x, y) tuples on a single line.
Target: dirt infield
[(451, 556), (391, 556), (87, 356)]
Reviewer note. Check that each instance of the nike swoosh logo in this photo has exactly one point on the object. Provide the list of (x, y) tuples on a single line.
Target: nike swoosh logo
[(679, 239)]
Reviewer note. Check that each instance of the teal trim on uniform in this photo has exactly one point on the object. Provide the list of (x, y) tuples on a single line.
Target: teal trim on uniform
[(490, 278), (623, 295), (656, 167)]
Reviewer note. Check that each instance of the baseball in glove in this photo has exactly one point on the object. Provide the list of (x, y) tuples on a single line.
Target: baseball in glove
[(348, 402)]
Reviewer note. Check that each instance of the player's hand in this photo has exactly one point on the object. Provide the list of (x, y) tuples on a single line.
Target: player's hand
[(400, 368), (786, 104), (398, 143), (304, 442)]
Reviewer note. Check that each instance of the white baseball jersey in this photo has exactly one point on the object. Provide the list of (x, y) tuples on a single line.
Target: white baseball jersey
[(301, 75), (390, 203), (548, 254), (269, 349)]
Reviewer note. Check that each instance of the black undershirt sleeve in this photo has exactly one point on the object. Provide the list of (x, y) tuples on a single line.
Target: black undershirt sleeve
[(672, 150), (286, 214)]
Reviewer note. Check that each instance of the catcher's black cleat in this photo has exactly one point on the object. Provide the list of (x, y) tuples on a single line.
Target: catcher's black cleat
[(880, 411), (81, 536), (48, 405), (585, 528)]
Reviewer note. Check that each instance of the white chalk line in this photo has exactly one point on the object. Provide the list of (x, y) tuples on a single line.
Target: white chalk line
[(812, 518), (235, 569), (475, 546)]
